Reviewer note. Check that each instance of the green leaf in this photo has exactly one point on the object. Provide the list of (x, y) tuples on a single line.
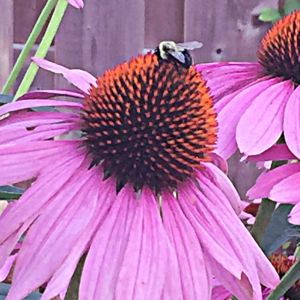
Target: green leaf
[(269, 15), (73, 289), (5, 98), (4, 288), (263, 218), (286, 282), (10, 192), (290, 6), (279, 230)]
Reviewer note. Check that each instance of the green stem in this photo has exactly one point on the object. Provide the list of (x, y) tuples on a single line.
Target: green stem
[(265, 210), (43, 47), (28, 45), (262, 219)]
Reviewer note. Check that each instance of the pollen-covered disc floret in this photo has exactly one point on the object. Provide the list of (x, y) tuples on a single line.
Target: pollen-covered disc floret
[(279, 52), (149, 122)]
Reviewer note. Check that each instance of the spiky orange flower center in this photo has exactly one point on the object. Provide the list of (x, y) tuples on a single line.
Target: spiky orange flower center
[(149, 122), (281, 263), (279, 52)]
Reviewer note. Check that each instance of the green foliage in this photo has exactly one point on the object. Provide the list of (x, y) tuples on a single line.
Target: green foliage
[(5, 98), (4, 288), (272, 15), (287, 282), (290, 6), (10, 192), (269, 15), (279, 230)]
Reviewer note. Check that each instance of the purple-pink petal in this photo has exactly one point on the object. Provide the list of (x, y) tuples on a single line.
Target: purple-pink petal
[(26, 104), (76, 3), (287, 190), (81, 79), (5, 269), (44, 132), (46, 94), (229, 232), (133, 255), (230, 115), (266, 181), (28, 159), (291, 124), (191, 261), (220, 293), (276, 152), (32, 126), (262, 123), (25, 119), (52, 236), (50, 180), (229, 224), (225, 78), (225, 185), (294, 216), (61, 278)]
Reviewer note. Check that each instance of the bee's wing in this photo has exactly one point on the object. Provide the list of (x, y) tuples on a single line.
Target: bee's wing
[(178, 56), (190, 45)]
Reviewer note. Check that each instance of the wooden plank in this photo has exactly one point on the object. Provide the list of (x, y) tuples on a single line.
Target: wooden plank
[(6, 39), (68, 44), (229, 31), (227, 28), (25, 17), (101, 35), (163, 21)]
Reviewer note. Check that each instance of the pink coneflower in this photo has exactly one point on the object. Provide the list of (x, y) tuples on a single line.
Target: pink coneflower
[(282, 263), (257, 102), (281, 184), (76, 3), (137, 191)]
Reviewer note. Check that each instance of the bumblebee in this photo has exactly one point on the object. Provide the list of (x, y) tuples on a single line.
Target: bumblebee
[(169, 50)]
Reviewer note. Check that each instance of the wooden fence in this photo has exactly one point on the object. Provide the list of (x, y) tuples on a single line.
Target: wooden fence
[(107, 32)]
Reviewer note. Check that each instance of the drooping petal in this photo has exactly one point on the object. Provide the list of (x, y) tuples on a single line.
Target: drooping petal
[(291, 124), (46, 94), (288, 189), (5, 269), (13, 135), (25, 119), (241, 288), (230, 224), (188, 205), (76, 3), (50, 180), (60, 280), (276, 152), (190, 259), (19, 105), (130, 250), (25, 161), (220, 293), (228, 231), (266, 181), (224, 183), (81, 79), (218, 161), (52, 236), (262, 123), (227, 77), (294, 216), (230, 115)]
